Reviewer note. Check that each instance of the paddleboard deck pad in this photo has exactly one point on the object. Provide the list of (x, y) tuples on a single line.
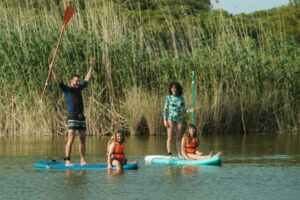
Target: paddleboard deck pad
[(160, 159), (77, 166)]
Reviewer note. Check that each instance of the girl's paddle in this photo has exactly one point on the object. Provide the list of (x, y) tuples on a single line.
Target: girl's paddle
[(67, 16)]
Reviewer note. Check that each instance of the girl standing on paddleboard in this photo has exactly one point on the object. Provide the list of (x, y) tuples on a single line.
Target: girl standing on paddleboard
[(173, 121), (189, 145), (115, 151)]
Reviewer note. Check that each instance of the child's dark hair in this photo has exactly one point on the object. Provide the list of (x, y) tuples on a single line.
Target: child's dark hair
[(177, 86), (188, 134), (114, 136)]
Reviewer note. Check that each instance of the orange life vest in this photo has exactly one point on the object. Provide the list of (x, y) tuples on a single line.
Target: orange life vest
[(190, 147), (119, 152)]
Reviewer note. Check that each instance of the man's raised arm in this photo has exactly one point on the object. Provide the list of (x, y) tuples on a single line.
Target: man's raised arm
[(89, 74), (54, 74)]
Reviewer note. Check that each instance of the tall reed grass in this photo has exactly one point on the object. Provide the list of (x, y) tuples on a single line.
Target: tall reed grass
[(242, 84)]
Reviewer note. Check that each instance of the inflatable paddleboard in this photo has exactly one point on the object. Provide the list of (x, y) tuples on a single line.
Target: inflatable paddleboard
[(77, 166), (160, 159)]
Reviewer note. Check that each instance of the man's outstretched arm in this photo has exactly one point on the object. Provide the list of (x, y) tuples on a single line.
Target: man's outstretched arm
[(89, 74)]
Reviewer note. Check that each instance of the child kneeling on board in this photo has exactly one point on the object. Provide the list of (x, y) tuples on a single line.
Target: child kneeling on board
[(189, 144), (115, 151)]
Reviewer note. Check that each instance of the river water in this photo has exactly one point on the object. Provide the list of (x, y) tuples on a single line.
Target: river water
[(255, 166)]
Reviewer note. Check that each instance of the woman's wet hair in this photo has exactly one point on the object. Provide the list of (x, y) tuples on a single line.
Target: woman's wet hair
[(177, 86)]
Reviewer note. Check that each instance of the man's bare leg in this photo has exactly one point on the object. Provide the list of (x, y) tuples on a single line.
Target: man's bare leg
[(71, 136), (82, 147)]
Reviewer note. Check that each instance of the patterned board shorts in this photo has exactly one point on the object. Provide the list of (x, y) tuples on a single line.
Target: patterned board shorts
[(175, 119), (76, 122)]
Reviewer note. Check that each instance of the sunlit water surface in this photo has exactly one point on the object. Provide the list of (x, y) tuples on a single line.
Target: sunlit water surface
[(255, 166)]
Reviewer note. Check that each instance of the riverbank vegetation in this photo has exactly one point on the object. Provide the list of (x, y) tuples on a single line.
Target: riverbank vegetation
[(246, 65)]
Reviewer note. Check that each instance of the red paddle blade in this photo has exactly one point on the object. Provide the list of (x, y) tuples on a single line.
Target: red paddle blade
[(68, 15)]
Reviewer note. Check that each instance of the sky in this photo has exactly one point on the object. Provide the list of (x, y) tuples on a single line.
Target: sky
[(247, 6)]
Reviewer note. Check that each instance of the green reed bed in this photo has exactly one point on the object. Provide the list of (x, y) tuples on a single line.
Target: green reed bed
[(243, 83)]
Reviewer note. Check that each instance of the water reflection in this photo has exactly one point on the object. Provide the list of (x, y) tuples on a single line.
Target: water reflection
[(253, 164), (190, 170), (53, 147), (114, 175), (115, 172), (73, 185), (172, 170), (70, 173), (75, 178)]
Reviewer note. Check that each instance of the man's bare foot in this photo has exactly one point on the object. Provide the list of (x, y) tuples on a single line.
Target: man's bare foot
[(68, 164), (219, 154), (180, 156), (83, 162)]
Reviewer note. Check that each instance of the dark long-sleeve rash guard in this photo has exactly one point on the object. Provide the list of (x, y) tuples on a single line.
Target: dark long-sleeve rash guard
[(73, 97)]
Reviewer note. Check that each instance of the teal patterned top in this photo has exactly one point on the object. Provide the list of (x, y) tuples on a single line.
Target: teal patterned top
[(174, 104)]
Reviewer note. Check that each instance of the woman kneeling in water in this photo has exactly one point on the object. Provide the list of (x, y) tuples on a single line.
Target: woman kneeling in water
[(189, 144)]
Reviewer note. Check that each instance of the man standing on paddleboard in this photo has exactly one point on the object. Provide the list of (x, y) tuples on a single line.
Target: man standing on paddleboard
[(76, 119)]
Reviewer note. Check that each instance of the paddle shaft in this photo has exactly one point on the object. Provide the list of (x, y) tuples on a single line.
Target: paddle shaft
[(67, 16), (193, 88), (52, 62)]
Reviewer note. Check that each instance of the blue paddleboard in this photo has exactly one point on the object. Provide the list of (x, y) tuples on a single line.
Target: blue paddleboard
[(160, 159), (77, 166)]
